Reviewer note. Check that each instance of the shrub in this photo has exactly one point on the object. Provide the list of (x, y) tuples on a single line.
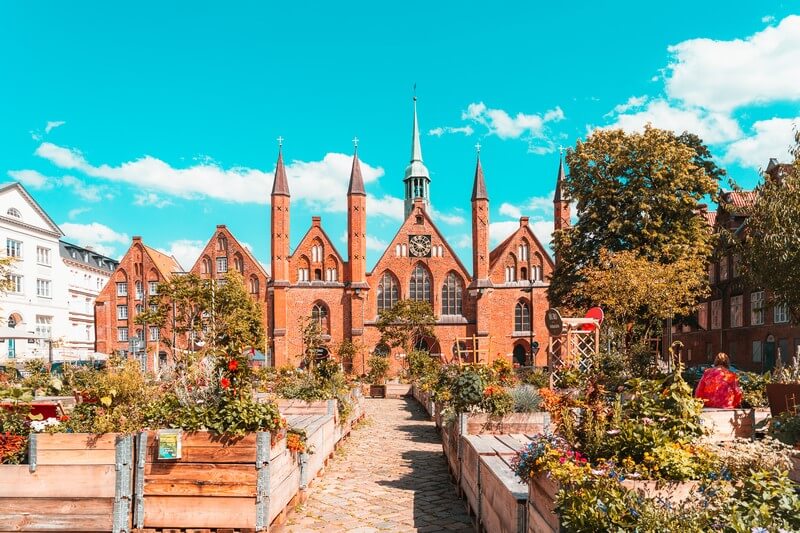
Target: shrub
[(468, 391), (526, 399), (536, 377), (496, 401), (378, 369)]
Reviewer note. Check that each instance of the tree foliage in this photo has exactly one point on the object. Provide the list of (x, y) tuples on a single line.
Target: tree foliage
[(771, 247), (405, 323), (635, 192)]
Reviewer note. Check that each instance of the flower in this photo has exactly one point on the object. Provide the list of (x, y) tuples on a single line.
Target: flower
[(225, 383), (233, 364)]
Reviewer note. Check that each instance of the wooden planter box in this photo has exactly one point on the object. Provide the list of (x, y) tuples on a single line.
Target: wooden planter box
[(243, 483), (503, 497), (377, 391), (728, 424), (300, 407), (424, 398), (794, 473), (397, 390), (73, 482), (783, 397)]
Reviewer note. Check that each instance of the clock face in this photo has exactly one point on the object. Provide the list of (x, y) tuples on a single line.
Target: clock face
[(419, 245)]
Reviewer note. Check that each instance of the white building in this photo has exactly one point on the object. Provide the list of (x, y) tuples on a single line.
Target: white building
[(48, 312)]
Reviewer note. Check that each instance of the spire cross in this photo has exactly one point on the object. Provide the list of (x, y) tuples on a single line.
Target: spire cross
[(355, 142), (478, 147), (280, 141), (561, 149)]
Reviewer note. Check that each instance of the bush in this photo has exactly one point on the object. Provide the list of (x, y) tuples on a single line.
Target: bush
[(378, 369), (526, 399), (421, 366), (536, 377)]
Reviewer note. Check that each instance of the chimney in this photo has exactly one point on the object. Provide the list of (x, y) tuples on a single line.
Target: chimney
[(316, 222), (523, 221)]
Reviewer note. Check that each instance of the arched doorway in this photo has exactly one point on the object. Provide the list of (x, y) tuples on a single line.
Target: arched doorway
[(422, 345), (13, 321), (519, 354)]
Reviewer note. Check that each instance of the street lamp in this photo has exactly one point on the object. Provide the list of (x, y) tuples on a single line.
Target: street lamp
[(529, 290)]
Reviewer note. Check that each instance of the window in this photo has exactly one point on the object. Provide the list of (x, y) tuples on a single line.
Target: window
[(387, 295), (723, 269), (152, 288), (222, 243), (319, 314), (522, 317), (522, 251), (712, 278), (13, 248), (13, 212), (316, 253), (221, 283), (43, 255), (43, 288), (702, 315), (756, 308), (317, 274), (253, 285), (238, 264), (420, 285), (153, 334), (781, 314), (451, 295), (139, 309), (139, 334), (139, 290), (222, 264), (122, 288), (735, 266), (716, 314), (16, 284), (511, 274), (302, 274), (44, 327), (206, 265), (122, 312), (331, 274), (736, 311), (153, 308), (99, 283), (756, 351), (783, 347)]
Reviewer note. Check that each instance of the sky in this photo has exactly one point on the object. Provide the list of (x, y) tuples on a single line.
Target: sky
[(160, 119)]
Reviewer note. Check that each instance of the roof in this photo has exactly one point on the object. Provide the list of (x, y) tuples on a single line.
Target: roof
[(479, 184), (501, 248), (280, 186), (739, 198), (166, 264), (711, 217), (86, 256), (356, 181), (54, 229), (416, 168), (229, 234), (560, 181)]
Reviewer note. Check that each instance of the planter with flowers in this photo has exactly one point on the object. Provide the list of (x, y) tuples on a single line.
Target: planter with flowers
[(783, 392)]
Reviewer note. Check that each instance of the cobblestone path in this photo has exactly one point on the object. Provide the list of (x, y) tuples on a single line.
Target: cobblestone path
[(390, 475)]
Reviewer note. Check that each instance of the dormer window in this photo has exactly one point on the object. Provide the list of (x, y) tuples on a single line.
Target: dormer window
[(13, 212)]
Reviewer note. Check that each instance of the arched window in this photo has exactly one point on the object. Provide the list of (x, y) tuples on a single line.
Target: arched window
[(316, 252), (537, 268), (253, 285), (452, 291), (522, 317), (317, 274), (319, 314), (13, 212), (303, 271), (206, 265), (238, 263), (387, 292), (382, 350), (222, 243), (523, 251), (511, 268), (420, 285), (331, 271), (523, 274)]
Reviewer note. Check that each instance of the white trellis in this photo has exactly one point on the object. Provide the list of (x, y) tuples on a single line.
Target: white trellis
[(574, 348)]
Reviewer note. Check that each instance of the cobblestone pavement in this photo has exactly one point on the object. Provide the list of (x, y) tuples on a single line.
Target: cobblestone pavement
[(390, 475)]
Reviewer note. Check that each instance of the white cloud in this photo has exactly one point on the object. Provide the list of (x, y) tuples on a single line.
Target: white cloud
[(502, 124), (770, 138), (499, 231), (634, 102), (150, 199), (387, 206), (510, 210), (767, 19), (99, 236), (438, 132), (376, 244), (320, 184), (31, 178), (451, 219), (713, 127), (37, 180), (74, 213), (90, 193), (463, 241), (53, 124), (186, 251), (725, 75)]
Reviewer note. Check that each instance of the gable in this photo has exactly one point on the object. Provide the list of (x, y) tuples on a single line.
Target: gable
[(210, 250), (15, 196), (511, 244), (314, 233)]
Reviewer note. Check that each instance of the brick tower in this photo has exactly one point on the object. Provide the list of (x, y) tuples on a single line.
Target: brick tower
[(356, 245), (480, 248), (560, 202), (279, 227)]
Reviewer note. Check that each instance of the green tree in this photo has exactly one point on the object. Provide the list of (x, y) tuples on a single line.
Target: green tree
[(313, 339), (634, 192), (771, 246), (405, 323)]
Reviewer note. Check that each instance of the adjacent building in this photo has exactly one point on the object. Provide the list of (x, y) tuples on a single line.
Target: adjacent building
[(736, 318)]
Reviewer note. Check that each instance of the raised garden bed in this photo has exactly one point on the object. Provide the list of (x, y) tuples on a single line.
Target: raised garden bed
[(397, 390), (424, 398), (73, 482), (783, 397), (503, 498), (729, 424)]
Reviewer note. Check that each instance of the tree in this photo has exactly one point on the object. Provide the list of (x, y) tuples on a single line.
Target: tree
[(406, 322), (771, 246), (634, 192), (313, 339)]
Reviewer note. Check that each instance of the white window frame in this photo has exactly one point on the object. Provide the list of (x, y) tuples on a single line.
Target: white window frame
[(44, 288), (122, 312), (139, 287), (14, 248), (44, 326), (153, 333), (152, 288), (43, 256), (17, 282), (757, 308), (122, 288), (222, 265), (122, 334), (737, 307), (780, 314)]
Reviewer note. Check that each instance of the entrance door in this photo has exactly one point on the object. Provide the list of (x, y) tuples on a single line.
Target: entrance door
[(519, 354), (769, 355)]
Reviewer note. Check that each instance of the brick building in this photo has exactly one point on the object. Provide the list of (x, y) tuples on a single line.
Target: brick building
[(737, 319), (126, 295), (496, 302)]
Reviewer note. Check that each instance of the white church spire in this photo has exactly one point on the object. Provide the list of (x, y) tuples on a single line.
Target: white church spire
[(417, 180)]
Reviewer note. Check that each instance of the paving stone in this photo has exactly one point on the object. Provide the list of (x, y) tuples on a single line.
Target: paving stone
[(391, 476)]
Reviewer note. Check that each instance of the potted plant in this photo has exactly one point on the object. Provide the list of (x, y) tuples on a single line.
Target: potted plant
[(784, 391), (378, 370)]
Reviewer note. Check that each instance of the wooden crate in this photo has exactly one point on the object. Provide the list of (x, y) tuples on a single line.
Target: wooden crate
[(542, 493), (217, 482), (70, 484), (728, 424), (320, 434), (503, 497), (450, 445), (300, 407), (473, 447), (527, 423), (397, 390)]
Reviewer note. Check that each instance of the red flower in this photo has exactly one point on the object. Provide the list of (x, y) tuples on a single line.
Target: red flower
[(233, 364), (225, 383)]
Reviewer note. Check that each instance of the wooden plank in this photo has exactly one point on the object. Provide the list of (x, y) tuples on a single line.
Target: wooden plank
[(536, 523), (281, 494), (201, 479), (90, 481), (76, 441), (56, 514), (57, 506), (209, 439), (503, 497), (199, 512), (209, 454), (76, 457), (542, 493)]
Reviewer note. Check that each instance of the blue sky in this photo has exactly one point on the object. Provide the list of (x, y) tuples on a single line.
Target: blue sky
[(159, 119)]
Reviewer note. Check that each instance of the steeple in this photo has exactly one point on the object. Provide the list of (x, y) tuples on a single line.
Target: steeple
[(479, 185), (560, 180), (356, 181), (561, 210), (280, 186), (417, 179)]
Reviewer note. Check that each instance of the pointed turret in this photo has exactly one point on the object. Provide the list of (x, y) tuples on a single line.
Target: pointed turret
[(356, 181), (560, 181), (280, 186), (417, 179), (561, 211), (479, 185)]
